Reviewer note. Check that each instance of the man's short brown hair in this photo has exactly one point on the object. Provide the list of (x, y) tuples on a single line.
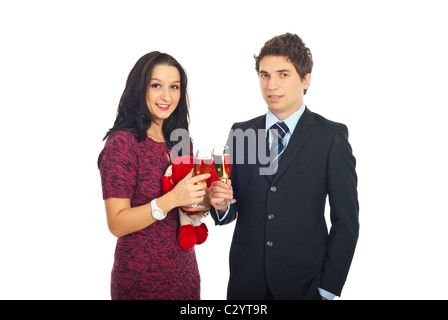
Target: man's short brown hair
[(291, 46)]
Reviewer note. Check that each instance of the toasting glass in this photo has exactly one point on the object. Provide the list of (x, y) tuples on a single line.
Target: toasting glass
[(202, 164), (223, 167)]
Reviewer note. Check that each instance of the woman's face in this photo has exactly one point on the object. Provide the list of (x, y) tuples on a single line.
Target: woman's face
[(164, 92)]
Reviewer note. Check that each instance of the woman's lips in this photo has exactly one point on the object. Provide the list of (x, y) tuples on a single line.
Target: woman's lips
[(163, 107)]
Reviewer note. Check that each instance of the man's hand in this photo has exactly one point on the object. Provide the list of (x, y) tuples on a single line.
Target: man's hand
[(220, 192)]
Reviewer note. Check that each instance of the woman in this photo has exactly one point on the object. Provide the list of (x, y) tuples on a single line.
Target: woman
[(149, 264)]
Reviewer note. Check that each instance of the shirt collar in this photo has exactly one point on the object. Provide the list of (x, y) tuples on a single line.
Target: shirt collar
[(291, 121)]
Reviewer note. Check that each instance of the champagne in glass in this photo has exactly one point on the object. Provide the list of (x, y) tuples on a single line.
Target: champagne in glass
[(202, 164), (223, 167)]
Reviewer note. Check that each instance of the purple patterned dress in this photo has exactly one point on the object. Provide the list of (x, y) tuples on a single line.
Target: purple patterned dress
[(149, 264)]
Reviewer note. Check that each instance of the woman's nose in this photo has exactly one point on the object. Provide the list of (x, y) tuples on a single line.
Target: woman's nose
[(165, 95)]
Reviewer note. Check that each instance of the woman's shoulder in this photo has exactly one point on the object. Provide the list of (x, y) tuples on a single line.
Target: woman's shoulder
[(119, 144), (123, 134), (123, 142), (122, 137)]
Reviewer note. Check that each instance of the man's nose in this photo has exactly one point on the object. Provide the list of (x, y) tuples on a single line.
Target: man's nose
[(273, 84)]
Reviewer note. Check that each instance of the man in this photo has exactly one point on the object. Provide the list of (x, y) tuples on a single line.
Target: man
[(281, 248)]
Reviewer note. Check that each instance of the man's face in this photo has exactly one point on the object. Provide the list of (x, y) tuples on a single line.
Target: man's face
[(281, 85)]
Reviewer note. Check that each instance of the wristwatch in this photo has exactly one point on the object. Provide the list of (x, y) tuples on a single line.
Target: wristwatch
[(157, 213)]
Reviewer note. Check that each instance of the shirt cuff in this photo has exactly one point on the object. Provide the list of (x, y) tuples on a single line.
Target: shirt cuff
[(326, 294), (221, 218)]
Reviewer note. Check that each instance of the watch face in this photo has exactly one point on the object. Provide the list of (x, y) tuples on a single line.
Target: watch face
[(158, 214)]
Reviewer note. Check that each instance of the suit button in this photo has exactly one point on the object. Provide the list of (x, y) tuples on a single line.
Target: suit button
[(271, 217), (273, 188), (269, 243)]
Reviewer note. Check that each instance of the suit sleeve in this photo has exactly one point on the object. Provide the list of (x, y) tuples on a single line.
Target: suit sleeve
[(343, 199), (229, 217), (232, 213)]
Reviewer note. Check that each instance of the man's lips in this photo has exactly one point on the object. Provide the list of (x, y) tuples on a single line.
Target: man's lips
[(274, 98)]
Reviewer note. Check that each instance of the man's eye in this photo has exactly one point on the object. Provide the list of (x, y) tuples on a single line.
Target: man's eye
[(284, 75)]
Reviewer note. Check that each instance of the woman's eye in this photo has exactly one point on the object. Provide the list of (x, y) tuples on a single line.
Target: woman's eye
[(175, 87), (155, 85)]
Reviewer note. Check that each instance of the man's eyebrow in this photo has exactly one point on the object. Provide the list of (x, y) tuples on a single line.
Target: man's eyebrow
[(283, 70), (278, 71)]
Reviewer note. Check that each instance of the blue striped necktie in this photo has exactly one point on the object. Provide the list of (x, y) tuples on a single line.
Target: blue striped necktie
[(279, 130)]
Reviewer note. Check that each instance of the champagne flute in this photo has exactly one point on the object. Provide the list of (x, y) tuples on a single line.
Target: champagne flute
[(202, 164), (223, 167)]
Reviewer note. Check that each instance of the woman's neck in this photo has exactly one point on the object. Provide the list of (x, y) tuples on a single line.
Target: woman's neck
[(155, 132)]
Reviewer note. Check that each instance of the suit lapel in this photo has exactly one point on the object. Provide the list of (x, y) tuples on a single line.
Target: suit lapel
[(260, 124), (269, 177), (299, 138)]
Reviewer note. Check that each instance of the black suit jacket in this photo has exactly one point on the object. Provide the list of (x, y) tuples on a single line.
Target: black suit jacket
[(281, 240)]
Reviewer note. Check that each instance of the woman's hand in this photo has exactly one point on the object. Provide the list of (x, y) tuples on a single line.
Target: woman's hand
[(188, 192), (205, 205)]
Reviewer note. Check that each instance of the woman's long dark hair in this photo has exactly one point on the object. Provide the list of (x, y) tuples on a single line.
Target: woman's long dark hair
[(133, 114)]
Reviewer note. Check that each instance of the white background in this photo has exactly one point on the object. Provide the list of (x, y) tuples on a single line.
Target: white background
[(380, 68)]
